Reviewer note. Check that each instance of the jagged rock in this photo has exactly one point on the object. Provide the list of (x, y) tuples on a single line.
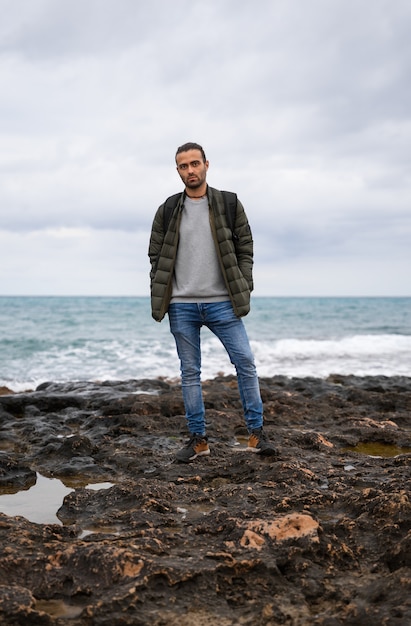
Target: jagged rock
[(319, 535)]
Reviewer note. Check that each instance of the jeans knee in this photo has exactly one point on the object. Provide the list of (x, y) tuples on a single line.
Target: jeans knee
[(245, 364), (190, 375)]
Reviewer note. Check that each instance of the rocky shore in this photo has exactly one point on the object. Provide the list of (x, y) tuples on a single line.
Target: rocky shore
[(320, 535)]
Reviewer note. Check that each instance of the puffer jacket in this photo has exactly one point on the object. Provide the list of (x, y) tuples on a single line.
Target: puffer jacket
[(235, 254)]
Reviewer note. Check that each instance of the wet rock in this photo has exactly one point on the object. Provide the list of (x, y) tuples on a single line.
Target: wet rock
[(318, 535), (14, 476)]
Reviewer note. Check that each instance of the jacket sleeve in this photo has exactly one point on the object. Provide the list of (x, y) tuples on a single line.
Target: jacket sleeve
[(156, 241), (244, 245)]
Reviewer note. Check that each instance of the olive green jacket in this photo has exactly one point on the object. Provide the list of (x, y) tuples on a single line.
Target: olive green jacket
[(235, 253)]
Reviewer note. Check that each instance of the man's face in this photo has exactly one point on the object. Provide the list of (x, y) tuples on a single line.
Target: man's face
[(192, 169)]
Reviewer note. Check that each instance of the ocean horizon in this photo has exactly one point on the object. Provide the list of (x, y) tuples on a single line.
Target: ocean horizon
[(97, 338)]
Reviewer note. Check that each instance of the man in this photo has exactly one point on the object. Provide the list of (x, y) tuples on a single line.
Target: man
[(201, 274)]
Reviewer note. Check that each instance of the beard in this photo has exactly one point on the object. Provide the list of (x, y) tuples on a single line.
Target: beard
[(195, 183)]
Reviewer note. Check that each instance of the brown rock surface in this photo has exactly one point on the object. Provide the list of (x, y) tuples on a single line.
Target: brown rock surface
[(319, 535)]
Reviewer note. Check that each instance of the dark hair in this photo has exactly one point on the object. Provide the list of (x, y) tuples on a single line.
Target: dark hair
[(191, 146)]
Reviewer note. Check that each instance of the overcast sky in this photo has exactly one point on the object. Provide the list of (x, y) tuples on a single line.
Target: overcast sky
[(303, 108)]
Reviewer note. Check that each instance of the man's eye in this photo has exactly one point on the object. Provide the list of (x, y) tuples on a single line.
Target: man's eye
[(182, 167), (195, 163)]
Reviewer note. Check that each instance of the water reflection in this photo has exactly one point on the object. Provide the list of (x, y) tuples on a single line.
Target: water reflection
[(59, 608), (377, 449), (40, 502)]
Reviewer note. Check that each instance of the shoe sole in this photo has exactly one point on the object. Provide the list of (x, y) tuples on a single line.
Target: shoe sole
[(191, 458), (262, 452)]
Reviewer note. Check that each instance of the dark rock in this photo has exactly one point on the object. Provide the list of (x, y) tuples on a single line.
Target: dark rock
[(14, 476), (319, 535)]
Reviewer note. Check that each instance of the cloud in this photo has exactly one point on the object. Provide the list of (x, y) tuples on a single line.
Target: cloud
[(66, 261), (303, 109)]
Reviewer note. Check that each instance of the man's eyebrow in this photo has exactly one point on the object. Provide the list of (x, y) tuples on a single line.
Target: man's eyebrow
[(190, 163)]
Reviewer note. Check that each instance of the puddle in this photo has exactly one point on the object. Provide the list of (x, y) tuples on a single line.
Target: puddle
[(330, 517), (40, 502), (240, 443), (349, 468), (192, 512), (372, 448), (241, 440), (58, 608), (104, 530), (81, 483), (98, 486)]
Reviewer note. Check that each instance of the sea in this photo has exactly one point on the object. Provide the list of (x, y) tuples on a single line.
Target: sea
[(65, 339)]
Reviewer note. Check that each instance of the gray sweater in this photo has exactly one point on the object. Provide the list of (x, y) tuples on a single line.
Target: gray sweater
[(197, 273)]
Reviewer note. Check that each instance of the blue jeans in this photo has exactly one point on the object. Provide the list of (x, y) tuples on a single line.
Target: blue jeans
[(186, 320)]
